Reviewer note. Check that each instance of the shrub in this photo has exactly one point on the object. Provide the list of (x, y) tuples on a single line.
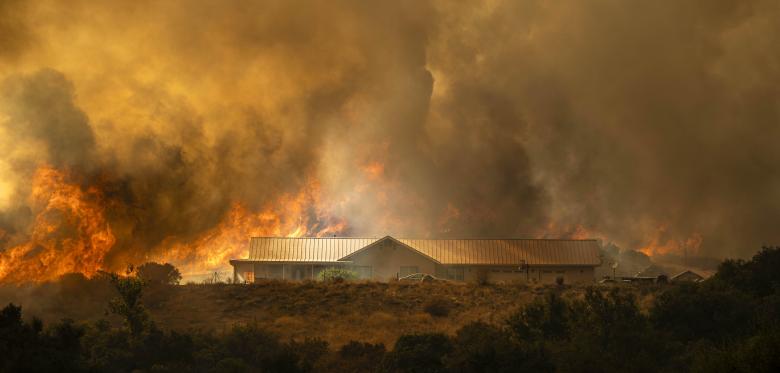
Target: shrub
[(481, 347), (438, 307), (159, 274), (357, 357), (543, 319), (337, 275), (691, 311), (758, 277), (418, 353)]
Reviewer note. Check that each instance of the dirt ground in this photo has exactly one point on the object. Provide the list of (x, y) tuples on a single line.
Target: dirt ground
[(365, 311)]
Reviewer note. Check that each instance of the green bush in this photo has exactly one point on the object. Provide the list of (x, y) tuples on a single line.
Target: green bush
[(337, 275)]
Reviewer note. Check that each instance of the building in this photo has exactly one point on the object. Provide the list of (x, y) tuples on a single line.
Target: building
[(489, 260), (687, 275)]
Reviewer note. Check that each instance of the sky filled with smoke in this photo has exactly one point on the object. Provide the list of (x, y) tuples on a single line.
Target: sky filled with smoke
[(634, 121)]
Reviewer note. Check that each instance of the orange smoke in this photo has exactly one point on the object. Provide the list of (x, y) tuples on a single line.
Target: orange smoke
[(374, 170), (70, 232)]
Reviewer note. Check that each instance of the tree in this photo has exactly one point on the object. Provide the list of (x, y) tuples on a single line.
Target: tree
[(128, 304), (758, 276), (159, 274), (691, 311)]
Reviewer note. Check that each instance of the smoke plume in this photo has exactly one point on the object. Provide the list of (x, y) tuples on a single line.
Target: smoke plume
[(193, 124)]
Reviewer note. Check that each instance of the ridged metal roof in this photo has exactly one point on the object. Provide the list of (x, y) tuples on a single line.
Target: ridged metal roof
[(284, 249), (468, 251), (509, 251)]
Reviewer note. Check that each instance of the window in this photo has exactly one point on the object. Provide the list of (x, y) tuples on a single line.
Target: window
[(275, 271), (249, 277), (408, 270), (455, 273), (363, 271)]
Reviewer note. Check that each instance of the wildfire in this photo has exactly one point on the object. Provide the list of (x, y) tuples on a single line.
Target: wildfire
[(658, 246), (70, 232), (576, 232), (291, 215)]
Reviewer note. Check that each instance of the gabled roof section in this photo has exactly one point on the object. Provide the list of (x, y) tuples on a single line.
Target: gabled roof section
[(687, 272), (388, 238), (448, 252)]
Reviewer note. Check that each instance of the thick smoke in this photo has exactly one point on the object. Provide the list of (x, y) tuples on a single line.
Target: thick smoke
[(15, 34), (636, 121)]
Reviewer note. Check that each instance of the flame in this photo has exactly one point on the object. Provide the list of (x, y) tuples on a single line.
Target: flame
[(575, 232), (70, 232), (658, 246), (291, 215)]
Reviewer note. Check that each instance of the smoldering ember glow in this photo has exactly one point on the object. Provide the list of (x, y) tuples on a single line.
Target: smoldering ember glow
[(135, 131)]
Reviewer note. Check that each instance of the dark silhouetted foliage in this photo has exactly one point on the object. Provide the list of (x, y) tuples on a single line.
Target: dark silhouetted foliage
[(729, 323), (480, 347), (691, 311), (128, 304), (418, 353), (159, 274), (759, 276)]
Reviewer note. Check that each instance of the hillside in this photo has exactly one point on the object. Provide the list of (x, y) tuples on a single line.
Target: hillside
[(371, 312)]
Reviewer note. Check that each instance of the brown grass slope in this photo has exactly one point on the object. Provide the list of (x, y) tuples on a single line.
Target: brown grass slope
[(335, 312)]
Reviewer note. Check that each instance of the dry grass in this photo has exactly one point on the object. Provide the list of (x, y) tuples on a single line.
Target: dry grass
[(364, 311)]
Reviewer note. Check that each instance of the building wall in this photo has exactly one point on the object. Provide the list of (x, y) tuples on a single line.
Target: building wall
[(544, 275), (387, 258), (241, 271), (385, 262)]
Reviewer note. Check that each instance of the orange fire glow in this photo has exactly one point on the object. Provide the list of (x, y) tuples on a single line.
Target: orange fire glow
[(658, 246), (70, 232), (288, 216), (374, 170)]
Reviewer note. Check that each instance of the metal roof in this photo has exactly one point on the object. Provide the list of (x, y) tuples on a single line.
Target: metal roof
[(509, 251), (444, 251), (284, 249)]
